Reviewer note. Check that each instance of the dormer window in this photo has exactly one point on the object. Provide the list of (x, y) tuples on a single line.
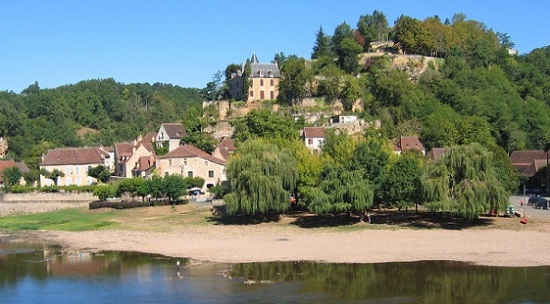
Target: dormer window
[(261, 73)]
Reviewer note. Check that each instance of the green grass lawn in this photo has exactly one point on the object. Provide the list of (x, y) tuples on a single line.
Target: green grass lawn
[(63, 220)]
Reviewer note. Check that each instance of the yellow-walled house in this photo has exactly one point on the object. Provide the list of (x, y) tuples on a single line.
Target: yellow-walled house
[(75, 163), (190, 161), (264, 79)]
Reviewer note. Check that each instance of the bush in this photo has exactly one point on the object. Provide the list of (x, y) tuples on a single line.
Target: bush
[(21, 189)]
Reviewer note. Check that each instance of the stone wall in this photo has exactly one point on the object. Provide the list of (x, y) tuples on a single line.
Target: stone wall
[(47, 197)]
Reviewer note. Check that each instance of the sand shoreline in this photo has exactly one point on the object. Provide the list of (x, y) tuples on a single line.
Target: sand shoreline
[(491, 247)]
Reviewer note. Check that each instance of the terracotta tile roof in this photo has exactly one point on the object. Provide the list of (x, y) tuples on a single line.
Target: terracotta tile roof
[(191, 151), (148, 138), (4, 164), (174, 130), (522, 159), (226, 147), (123, 149), (145, 163), (405, 143), (314, 132), (73, 156), (533, 167)]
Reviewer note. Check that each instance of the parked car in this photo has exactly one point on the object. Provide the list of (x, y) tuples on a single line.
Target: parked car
[(534, 200), (543, 204)]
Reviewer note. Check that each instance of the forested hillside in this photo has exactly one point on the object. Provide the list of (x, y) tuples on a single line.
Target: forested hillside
[(93, 112), (475, 90)]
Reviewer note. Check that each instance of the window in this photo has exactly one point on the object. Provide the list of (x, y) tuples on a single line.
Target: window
[(211, 173), (76, 170), (166, 173), (310, 141), (170, 162), (189, 173), (206, 163), (251, 93), (271, 82), (262, 95), (261, 82), (271, 95), (185, 161)]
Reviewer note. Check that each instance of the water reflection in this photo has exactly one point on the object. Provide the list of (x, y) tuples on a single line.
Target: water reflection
[(42, 273), (418, 282)]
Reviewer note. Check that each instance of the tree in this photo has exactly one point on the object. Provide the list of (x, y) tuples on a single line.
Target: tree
[(373, 27), (11, 176), (347, 52), (340, 190), (351, 92), (265, 124), (103, 191), (322, 45), (464, 181), (174, 187), (407, 32), (53, 175), (100, 173), (261, 179), (403, 180), (294, 77), (131, 186)]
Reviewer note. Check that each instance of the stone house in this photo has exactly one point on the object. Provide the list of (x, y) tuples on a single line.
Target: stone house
[(5, 164), (405, 143), (264, 79), (75, 163), (135, 158), (528, 162), (224, 149), (170, 135), (314, 137), (190, 161)]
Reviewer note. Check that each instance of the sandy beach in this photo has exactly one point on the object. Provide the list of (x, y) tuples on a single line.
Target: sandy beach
[(514, 245)]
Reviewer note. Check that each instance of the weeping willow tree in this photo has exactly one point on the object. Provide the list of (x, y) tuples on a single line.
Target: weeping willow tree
[(261, 178), (464, 181), (340, 190)]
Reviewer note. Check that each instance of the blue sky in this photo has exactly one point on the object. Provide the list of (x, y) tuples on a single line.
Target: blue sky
[(185, 42)]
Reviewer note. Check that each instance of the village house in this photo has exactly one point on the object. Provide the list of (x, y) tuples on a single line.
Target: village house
[(135, 158), (224, 149), (75, 163), (189, 161), (528, 162), (170, 135), (314, 138), (406, 143), (264, 82), (5, 164)]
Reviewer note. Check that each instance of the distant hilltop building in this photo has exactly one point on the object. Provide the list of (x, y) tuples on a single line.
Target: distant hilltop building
[(264, 84)]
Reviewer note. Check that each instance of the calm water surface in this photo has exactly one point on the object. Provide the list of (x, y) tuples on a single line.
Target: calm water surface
[(38, 273)]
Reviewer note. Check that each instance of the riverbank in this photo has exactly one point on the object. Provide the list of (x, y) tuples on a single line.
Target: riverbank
[(182, 231)]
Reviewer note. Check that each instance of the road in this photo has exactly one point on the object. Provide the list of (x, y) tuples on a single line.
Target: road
[(525, 210)]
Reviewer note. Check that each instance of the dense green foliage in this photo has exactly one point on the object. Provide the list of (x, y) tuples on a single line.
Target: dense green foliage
[(261, 178), (464, 180)]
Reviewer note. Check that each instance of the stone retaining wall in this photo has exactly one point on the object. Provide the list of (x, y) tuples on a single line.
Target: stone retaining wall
[(47, 197)]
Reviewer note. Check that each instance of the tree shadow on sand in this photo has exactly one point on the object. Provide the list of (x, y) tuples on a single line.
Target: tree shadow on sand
[(427, 220), (220, 217), (390, 217), (308, 220)]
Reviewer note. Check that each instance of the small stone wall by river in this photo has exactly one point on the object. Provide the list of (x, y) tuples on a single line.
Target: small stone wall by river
[(21, 203)]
